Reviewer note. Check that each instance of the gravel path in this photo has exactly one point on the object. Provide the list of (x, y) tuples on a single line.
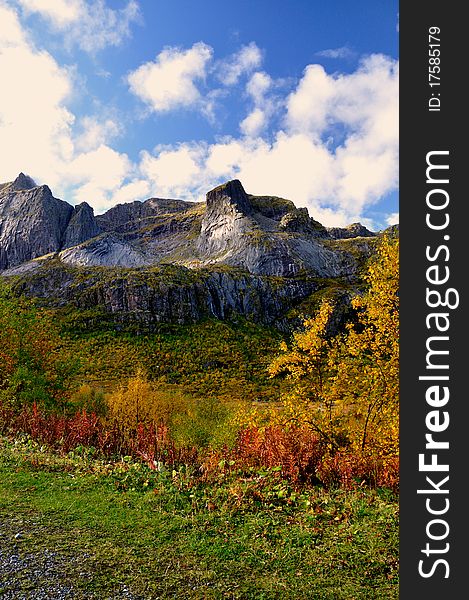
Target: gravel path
[(42, 574)]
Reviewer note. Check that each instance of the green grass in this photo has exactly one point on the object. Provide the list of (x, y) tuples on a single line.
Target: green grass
[(162, 535)]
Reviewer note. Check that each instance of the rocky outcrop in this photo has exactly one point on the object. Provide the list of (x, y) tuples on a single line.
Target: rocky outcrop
[(106, 250), (226, 221), (281, 240), (137, 215), (166, 260), (351, 231), (165, 294), (81, 227), (265, 235), (299, 221), (22, 182), (32, 221)]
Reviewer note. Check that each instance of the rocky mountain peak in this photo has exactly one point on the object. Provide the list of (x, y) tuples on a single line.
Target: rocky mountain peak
[(81, 227), (32, 222), (351, 231), (264, 235), (226, 220), (22, 182), (230, 194)]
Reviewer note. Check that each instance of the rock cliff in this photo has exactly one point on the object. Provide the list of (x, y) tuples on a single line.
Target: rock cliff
[(172, 260), (32, 221)]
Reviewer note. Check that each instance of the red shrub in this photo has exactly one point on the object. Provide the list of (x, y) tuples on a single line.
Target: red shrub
[(297, 451), (347, 470)]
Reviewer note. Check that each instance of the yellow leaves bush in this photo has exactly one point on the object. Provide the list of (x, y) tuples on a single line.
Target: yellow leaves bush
[(192, 421), (346, 386), (138, 401)]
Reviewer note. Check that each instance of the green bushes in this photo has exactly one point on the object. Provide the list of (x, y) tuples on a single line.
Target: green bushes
[(33, 366)]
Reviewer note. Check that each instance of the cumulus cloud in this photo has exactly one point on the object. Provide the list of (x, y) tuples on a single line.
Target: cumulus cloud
[(257, 89), (34, 127), (169, 81), (137, 189), (337, 180), (37, 127), (392, 219), (60, 13), (362, 107), (246, 60), (174, 172), (89, 24), (96, 132), (331, 144), (364, 100), (254, 123), (99, 174)]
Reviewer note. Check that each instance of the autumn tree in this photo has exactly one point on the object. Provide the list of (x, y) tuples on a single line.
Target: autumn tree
[(306, 365), (346, 386)]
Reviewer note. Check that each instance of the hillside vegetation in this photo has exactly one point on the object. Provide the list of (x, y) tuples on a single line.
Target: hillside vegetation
[(267, 463)]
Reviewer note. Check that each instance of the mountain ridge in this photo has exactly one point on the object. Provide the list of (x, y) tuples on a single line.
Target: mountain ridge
[(168, 259), (264, 234)]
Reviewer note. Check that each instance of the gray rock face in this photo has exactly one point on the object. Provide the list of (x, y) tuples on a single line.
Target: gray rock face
[(166, 294), (264, 235), (299, 221), (351, 231), (173, 261), (265, 239), (22, 182), (135, 215), (32, 222), (106, 250), (81, 227), (226, 221)]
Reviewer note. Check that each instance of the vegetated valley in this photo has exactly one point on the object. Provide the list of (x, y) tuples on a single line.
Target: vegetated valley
[(197, 400)]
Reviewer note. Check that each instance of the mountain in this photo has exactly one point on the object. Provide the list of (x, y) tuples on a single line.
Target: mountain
[(172, 260), (32, 221)]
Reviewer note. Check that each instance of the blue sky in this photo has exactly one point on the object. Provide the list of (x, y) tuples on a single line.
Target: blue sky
[(114, 101)]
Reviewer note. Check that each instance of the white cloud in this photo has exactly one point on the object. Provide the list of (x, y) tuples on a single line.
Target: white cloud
[(89, 24), (254, 123), (266, 103), (168, 82), (96, 132), (36, 125), (364, 107), (11, 33), (222, 160), (246, 60), (258, 85), (364, 101), (336, 179), (98, 174), (309, 104), (343, 52), (293, 166), (34, 120), (60, 13), (258, 89), (335, 153), (173, 172), (137, 189), (392, 219)]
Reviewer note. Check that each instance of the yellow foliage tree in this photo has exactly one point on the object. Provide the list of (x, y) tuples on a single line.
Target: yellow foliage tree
[(307, 367), (347, 386), (138, 401), (191, 421)]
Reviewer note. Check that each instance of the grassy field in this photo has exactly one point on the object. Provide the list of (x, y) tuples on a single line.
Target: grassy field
[(119, 530)]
